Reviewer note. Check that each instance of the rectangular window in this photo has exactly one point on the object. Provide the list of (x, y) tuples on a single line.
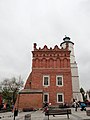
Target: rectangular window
[(46, 80), (60, 98), (46, 98), (59, 80)]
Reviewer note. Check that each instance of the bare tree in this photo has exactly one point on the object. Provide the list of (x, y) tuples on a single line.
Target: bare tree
[(10, 88)]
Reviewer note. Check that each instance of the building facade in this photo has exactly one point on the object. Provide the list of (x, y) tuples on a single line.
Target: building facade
[(74, 69), (53, 78)]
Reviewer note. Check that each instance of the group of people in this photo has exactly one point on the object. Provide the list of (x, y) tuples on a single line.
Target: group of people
[(82, 105), (76, 105)]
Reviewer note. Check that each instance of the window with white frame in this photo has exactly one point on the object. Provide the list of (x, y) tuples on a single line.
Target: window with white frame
[(60, 98), (46, 97), (59, 80), (46, 80)]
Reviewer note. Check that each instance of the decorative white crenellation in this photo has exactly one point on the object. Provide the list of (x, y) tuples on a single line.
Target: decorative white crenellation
[(74, 69)]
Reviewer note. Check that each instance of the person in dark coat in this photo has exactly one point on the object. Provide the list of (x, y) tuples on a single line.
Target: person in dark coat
[(45, 107), (15, 113)]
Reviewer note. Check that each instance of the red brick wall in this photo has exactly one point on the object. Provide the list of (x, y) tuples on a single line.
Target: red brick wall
[(29, 101), (66, 89), (50, 62)]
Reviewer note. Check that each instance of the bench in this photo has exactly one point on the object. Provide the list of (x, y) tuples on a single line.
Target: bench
[(58, 112)]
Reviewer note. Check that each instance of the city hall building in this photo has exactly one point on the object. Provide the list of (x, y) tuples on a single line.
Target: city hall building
[(54, 77)]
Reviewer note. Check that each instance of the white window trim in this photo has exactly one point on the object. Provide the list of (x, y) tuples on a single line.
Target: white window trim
[(57, 80), (62, 97), (48, 80), (48, 97)]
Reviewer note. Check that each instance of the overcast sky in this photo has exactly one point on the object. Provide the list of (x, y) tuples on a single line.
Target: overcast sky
[(24, 22)]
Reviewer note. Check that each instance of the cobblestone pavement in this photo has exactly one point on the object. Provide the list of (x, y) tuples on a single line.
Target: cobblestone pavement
[(39, 115)]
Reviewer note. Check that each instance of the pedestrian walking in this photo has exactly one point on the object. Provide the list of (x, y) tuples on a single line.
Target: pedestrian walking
[(15, 113), (45, 107), (75, 105)]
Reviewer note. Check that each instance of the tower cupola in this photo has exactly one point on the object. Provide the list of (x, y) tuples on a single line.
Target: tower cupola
[(66, 38)]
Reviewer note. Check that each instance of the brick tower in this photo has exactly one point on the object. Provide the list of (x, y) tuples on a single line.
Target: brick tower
[(50, 79)]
